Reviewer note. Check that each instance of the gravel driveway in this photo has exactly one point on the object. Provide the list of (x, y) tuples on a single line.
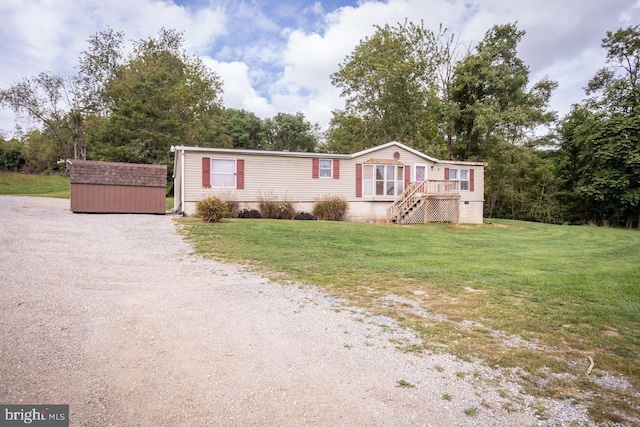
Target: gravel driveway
[(114, 315)]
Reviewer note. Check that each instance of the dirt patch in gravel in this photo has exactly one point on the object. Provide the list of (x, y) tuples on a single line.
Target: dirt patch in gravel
[(115, 316)]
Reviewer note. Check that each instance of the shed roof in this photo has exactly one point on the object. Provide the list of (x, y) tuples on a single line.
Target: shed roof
[(111, 173)]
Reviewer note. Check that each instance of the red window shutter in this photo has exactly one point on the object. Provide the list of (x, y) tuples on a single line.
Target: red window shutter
[(446, 173), (358, 179), (471, 183), (407, 175), (336, 169), (240, 174), (206, 172), (315, 168)]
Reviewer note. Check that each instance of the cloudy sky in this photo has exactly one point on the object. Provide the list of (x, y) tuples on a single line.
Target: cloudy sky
[(276, 56)]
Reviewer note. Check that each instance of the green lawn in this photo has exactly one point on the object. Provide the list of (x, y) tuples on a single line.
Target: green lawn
[(574, 291), (35, 185)]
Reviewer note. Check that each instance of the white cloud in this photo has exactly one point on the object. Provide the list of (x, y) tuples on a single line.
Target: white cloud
[(562, 42), (238, 88), (271, 67)]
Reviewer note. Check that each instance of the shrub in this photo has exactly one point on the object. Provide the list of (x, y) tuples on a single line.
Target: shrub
[(268, 208), (330, 208), (11, 157), (232, 208), (304, 216), (271, 208), (285, 210), (212, 209), (249, 213)]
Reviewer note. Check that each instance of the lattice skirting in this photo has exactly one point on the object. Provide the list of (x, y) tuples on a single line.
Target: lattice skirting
[(416, 216), (435, 210), (443, 210)]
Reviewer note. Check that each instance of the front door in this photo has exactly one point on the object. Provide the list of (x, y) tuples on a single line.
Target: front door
[(420, 176)]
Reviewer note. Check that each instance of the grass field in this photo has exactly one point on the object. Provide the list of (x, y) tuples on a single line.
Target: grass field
[(569, 292), (35, 185)]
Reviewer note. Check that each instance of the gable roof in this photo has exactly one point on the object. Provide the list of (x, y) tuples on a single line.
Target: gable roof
[(396, 144), (111, 173)]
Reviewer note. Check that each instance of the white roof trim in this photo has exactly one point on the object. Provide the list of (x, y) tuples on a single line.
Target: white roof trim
[(242, 151), (261, 152), (456, 162)]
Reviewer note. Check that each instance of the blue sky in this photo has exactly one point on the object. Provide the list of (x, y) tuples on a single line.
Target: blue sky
[(277, 56)]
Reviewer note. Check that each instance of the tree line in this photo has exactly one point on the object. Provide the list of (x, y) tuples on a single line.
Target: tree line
[(405, 82)]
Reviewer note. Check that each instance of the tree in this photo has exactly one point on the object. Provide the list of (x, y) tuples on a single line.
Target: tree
[(522, 185), (97, 69), (600, 153), (290, 132), (41, 152), (11, 156), (48, 101), (389, 84), (490, 88), (160, 97), (243, 129)]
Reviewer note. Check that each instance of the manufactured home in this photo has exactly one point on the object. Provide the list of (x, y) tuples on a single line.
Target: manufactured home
[(387, 183)]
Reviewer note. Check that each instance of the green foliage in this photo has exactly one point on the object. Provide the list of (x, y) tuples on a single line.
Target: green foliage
[(599, 159), (49, 100), (11, 157), (97, 69), (242, 128), (490, 89), (290, 132), (41, 153), (388, 82), (521, 184), (471, 412), (212, 209), (330, 208), (405, 384), (161, 97)]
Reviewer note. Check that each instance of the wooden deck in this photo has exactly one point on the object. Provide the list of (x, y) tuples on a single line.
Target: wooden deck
[(428, 201)]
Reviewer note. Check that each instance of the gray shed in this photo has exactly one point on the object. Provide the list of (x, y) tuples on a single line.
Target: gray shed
[(107, 187)]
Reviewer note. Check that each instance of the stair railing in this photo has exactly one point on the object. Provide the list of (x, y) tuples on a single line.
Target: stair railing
[(408, 196)]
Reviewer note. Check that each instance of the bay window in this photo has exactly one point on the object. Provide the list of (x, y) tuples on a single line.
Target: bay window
[(382, 180)]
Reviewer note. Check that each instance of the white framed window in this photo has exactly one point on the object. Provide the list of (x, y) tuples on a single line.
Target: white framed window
[(326, 168), (460, 175), (223, 173), (382, 180)]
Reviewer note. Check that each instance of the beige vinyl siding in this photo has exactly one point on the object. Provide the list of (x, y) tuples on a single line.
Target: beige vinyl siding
[(287, 178)]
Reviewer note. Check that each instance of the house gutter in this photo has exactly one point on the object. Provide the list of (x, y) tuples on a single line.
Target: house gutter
[(182, 181), (179, 154)]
